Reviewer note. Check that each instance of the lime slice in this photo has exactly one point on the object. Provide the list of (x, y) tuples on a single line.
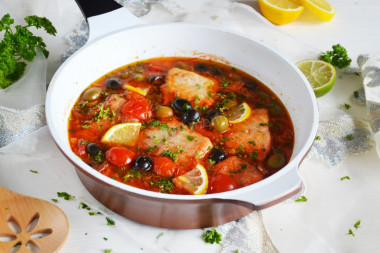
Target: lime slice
[(238, 113), (280, 12), (321, 75), (322, 8), (122, 134), (195, 181)]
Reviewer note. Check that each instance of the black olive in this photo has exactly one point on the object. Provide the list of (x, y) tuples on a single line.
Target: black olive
[(181, 105), (250, 85), (157, 79), (113, 83), (93, 149), (201, 67), (217, 155), (216, 72), (143, 163), (190, 116), (212, 114)]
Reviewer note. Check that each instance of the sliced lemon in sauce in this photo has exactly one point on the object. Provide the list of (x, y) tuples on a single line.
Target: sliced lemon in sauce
[(123, 134), (142, 91), (194, 181), (238, 113)]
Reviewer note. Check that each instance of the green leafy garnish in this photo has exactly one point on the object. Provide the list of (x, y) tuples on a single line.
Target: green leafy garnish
[(190, 137), (33, 171), (357, 224), (343, 178), (108, 251), (165, 184), (347, 106), (350, 232), (54, 200), (159, 236), (350, 137), (212, 236), (318, 138), (337, 57), (110, 222), (18, 46), (301, 199), (173, 155), (64, 195)]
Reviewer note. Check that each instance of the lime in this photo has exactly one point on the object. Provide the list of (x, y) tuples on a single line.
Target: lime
[(322, 8), (195, 181), (321, 75), (122, 134), (280, 12)]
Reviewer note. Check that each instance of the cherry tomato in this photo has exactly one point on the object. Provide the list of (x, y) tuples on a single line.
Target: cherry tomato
[(82, 149), (120, 156), (221, 183), (137, 107), (164, 166)]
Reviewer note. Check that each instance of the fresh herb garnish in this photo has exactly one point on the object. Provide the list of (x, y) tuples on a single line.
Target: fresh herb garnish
[(253, 155), (265, 124), (357, 224), (343, 178), (165, 184), (86, 126), (347, 106), (224, 82), (337, 57), (33, 171), (19, 45), (224, 139), (190, 137), (64, 195), (110, 222), (108, 251), (54, 200), (212, 236), (318, 138), (252, 142), (350, 232), (350, 137), (173, 155), (301, 199), (212, 162), (159, 236), (84, 206)]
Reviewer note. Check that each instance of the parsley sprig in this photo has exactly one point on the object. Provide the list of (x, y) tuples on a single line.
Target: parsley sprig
[(18, 46)]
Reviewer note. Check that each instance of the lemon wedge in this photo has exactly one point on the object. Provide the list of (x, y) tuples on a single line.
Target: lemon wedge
[(280, 12), (194, 181), (142, 91), (238, 113), (122, 134), (322, 8), (320, 74)]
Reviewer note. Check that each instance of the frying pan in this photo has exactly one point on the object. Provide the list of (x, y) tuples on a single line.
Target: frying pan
[(118, 38)]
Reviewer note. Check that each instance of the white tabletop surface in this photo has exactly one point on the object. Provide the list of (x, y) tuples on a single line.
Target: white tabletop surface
[(319, 225)]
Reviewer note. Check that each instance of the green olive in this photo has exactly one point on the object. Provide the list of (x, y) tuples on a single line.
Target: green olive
[(163, 112), (138, 77), (231, 104), (219, 124), (92, 94), (276, 161), (181, 65)]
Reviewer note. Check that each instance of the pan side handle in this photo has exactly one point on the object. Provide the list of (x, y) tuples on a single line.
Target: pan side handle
[(106, 16)]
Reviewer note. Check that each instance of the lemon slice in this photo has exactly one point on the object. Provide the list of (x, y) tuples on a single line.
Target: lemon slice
[(123, 134), (321, 75), (280, 12), (195, 181), (142, 91), (238, 113), (322, 8)]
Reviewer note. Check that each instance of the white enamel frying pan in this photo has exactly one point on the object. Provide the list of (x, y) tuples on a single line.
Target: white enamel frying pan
[(118, 38)]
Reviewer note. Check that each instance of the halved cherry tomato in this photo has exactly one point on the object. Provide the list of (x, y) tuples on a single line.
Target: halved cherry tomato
[(137, 107), (164, 166), (120, 156), (221, 183)]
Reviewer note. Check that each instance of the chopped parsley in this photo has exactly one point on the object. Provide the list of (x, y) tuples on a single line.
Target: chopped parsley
[(201, 108), (84, 206), (165, 184), (108, 251), (173, 155), (350, 137), (301, 199), (264, 124), (33, 171), (347, 106), (212, 162), (253, 155), (343, 178), (197, 99), (350, 232), (198, 86), (357, 224), (337, 57), (190, 138), (54, 200), (110, 222), (239, 149), (94, 213), (159, 236), (356, 94), (224, 82), (82, 105), (132, 174), (105, 238), (86, 126), (103, 114), (224, 139), (318, 138), (252, 142), (64, 195), (212, 236)]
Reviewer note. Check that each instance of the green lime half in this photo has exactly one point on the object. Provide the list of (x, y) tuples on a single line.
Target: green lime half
[(321, 75)]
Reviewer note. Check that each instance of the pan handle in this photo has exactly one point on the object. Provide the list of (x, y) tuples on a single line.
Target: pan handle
[(106, 16)]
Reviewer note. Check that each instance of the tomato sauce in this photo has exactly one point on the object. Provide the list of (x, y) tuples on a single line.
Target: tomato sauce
[(185, 107)]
